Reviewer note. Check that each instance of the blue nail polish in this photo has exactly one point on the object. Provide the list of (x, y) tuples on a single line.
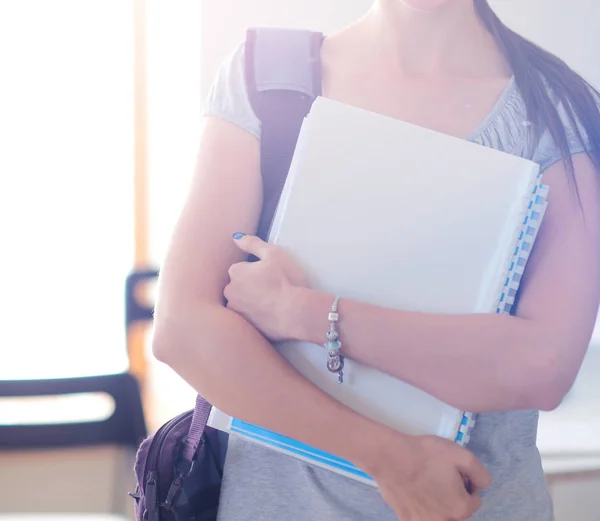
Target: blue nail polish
[(238, 236)]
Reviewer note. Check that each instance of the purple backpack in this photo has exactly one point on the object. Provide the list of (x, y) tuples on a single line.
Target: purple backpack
[(179, 469)]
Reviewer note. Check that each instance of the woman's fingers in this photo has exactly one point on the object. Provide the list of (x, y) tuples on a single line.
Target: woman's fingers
[(474, 472), (253, 245)]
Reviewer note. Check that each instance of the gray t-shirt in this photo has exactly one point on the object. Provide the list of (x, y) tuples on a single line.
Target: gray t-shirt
[(260, 484)]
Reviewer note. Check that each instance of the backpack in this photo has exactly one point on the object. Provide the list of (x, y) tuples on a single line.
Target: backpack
[(179, 469)]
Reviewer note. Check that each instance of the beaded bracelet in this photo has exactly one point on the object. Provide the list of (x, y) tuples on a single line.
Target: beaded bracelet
[(335, 360)]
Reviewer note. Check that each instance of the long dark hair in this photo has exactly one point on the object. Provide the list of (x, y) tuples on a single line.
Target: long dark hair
[(537, 72)]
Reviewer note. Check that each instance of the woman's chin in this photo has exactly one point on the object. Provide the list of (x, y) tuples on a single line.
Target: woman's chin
[(425, 6)]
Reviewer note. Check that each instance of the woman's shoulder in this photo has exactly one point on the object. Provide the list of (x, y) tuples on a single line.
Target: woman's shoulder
[(548, 152), (280, 59), (228, 97), (512, 131)]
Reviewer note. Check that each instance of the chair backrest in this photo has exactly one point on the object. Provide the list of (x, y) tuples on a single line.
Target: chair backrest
[(136, 311), (70, 466)]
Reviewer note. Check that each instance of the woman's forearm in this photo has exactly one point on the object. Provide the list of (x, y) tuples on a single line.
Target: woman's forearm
[(228, 362), (479, 363)]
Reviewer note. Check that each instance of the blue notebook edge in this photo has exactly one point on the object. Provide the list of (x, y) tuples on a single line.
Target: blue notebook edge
[(527, 236)]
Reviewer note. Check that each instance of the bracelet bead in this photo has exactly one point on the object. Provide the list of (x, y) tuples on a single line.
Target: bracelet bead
[(333, 345)]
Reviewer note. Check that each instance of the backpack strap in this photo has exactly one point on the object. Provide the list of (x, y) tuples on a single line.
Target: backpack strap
[(193, 439), (283, 78)]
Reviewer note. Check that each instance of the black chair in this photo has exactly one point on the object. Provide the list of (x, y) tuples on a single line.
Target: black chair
[(85, 466), (125, 427), (136, 311)]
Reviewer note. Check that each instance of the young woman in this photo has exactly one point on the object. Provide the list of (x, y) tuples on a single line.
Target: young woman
[(452, 66)]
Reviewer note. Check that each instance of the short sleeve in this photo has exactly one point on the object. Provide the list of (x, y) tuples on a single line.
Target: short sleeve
[(228, 97), (548, 152)]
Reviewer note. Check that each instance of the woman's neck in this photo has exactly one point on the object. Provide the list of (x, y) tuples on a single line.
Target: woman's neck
[(447, 40)]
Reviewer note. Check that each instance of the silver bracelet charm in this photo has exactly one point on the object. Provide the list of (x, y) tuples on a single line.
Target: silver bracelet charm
[(335, 360)]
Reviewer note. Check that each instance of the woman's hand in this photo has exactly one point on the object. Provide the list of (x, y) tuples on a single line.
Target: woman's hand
[(263, 291), (424, 478)]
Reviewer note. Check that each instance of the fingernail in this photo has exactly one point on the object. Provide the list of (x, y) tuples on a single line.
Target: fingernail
[(238, 236)]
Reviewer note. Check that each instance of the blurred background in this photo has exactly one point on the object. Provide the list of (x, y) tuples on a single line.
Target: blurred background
[(100, 107)]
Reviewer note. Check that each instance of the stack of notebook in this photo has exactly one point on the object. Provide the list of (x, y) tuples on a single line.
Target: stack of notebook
[(392, 214)]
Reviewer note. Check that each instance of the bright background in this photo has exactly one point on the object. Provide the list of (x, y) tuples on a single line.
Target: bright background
[(66, 171), (67, 151)]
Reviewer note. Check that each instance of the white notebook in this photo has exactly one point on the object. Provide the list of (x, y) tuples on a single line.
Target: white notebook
[(389, 213)]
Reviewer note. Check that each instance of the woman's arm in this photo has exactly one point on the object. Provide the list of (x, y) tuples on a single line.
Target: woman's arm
[(491, 362), (214, 349), (231, 364), (481, 362)]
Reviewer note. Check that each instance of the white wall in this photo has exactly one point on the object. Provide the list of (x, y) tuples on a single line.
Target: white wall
[(570, 28)]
